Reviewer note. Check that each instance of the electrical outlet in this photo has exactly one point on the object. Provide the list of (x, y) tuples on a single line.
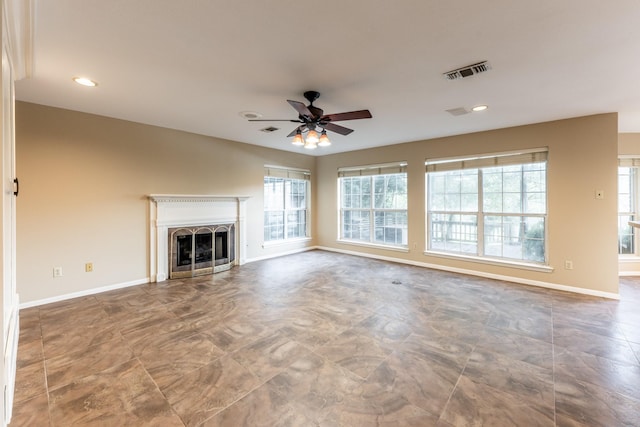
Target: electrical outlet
[(568, 265), (57, 271), (88, 267)]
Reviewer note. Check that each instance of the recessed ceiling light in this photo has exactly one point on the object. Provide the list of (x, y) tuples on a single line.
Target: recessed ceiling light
[(85, 81), (480, 108), (250, 115)]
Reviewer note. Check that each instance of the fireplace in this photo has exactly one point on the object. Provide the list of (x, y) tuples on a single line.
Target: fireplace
[(196, 251), (192, 235)]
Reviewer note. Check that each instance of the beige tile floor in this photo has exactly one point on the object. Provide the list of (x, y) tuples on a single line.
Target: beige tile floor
[(324, 339)]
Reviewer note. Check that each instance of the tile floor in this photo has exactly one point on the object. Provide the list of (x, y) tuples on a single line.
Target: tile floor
[(324, 339)]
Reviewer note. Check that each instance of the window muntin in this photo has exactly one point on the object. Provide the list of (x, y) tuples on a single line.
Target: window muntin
[(285, 208), (373, 208), (493, 211)]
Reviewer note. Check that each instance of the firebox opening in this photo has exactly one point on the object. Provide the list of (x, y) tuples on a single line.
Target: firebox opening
[(184, 250), (203, 247), (222, 247)]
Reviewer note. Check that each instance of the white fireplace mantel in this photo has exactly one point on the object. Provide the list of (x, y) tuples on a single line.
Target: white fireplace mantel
[(184, 210)]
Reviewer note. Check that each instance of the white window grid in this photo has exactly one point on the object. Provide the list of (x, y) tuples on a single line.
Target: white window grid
[(371, 224), (286, 210), (472, 238), (628, 185)]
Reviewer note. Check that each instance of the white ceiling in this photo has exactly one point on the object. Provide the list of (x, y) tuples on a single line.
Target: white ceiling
[(194, 65)]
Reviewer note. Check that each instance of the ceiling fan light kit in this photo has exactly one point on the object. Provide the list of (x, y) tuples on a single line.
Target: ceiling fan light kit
[(312, 137), (297, 140), (324, 139), (313, 118)]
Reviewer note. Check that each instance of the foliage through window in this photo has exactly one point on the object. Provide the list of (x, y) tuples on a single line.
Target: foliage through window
[(373, 204), (489, 206), (286, 207)]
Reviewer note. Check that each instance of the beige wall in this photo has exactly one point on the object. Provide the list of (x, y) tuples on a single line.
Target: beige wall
[(629, 145), (83, 181), (582, 159)]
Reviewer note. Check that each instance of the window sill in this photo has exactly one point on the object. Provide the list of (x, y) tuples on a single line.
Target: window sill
[(273, 243), (491, 261), (374, 245), (628, 258)]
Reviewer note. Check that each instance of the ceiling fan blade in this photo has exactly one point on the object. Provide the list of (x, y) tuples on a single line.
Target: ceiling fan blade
[(276, 120), (300, 108), (337, 128), (351, 115)]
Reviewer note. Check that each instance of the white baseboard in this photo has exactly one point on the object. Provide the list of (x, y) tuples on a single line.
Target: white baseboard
[(84, 293), (628, 273), (279, 254), (94, 291), (538, 283)]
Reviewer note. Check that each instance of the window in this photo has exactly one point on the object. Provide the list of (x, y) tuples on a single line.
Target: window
[(488, 206), (373, 204), (627, 205), (286, 199)]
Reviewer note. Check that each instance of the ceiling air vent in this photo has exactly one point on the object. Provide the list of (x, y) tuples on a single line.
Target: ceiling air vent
[(458, 111), (269, 129), (468, 71)]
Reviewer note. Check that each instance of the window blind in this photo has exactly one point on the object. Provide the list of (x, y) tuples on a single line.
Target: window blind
[(629, 162), (282, 172), (380, 169), (487, 160)]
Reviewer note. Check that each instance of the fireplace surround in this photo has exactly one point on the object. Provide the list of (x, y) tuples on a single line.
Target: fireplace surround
[(197, 216)]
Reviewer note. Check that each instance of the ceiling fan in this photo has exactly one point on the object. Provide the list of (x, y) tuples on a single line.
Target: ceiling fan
[(313, 118)]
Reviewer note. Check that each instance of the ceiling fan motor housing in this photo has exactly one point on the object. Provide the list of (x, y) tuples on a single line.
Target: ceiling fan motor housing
[(317, 112), (311, 95)]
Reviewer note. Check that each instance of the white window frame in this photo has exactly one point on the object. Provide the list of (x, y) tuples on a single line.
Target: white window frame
[(632, 162), (289, 174), (371, 171), (480, 162)]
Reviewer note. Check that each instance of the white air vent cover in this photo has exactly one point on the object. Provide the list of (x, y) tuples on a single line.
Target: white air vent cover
[(458, 111), (468, 71)]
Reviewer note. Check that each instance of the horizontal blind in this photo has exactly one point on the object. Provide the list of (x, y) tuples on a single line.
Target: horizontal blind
[(281, 172), (380, 169), (629, 162), (487, 160)]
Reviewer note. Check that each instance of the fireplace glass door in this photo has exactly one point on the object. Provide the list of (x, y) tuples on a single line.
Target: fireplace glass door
[(195, 251)]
